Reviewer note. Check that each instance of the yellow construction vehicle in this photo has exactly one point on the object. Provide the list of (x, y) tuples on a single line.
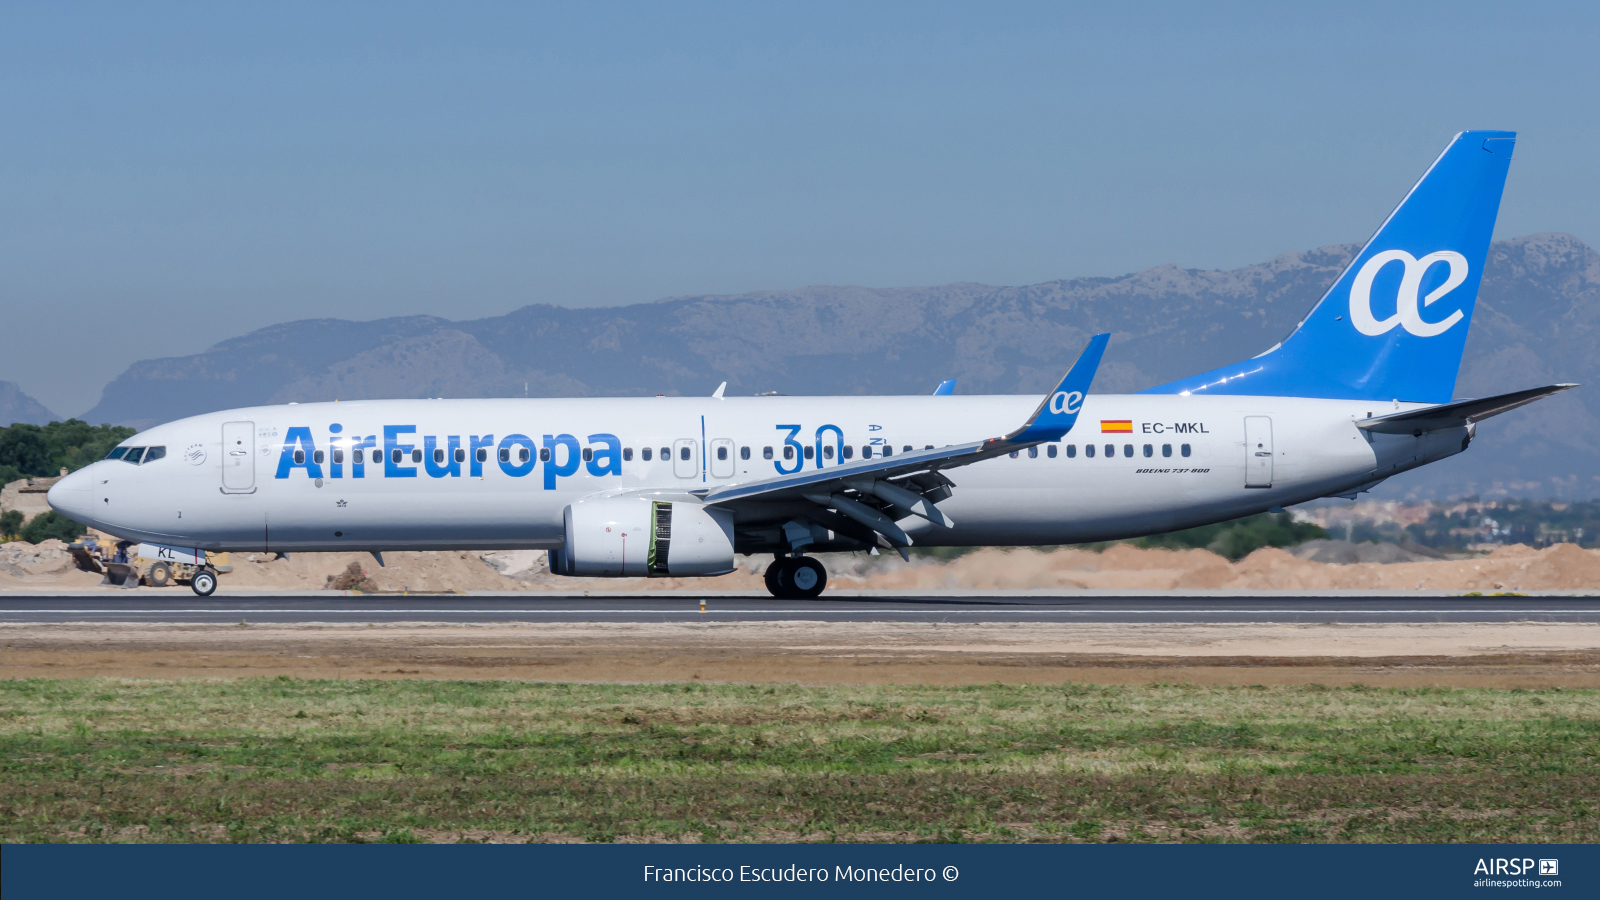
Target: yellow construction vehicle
[(126, 564)]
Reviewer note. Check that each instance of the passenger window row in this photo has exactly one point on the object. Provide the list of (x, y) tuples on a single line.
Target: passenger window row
[(146, 455), (1127, 450), (359, 457), (868, 451), (1148, 450)]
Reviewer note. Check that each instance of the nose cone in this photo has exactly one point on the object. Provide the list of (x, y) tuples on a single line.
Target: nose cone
[(73, 495)]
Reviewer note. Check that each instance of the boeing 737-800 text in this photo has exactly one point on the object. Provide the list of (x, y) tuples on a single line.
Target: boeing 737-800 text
[(674, 486)]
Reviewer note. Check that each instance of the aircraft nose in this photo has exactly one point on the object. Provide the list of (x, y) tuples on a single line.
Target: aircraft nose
[(73, 495)]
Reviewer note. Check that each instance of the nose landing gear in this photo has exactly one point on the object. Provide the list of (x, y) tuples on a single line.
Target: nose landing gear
[(794, 578), (204, 582)]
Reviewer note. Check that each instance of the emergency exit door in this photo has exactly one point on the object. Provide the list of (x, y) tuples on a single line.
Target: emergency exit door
[(238, 457), (1257, 452), (721, 458), (685, 458)]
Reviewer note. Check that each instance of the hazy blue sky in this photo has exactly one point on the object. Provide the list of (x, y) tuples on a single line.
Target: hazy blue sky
[(172, 175)]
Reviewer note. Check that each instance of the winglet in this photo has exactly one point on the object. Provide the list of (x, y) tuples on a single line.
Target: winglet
[(1059, 409), (717, 394), (945, 388)]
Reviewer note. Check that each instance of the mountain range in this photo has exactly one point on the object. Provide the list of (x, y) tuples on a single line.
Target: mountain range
[(1536, 323), (15, 406)]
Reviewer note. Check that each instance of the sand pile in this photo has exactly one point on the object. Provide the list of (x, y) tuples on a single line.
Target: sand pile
[(1120, 566), (1511, 568), (453, 570), (21, 559), (1514, 567), (47, 563)]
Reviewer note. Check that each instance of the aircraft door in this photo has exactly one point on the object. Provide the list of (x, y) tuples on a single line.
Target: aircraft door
[(238, 457), (685, 458), (1257, 452), (721, 458)]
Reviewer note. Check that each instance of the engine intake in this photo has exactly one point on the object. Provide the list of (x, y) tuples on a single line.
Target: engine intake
[(619, 537)]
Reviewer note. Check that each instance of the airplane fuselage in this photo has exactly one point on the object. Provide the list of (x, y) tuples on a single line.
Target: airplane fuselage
[(497, 474)]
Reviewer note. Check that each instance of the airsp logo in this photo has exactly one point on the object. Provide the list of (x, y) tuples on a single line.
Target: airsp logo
[(1408, 313), (1066, 403)]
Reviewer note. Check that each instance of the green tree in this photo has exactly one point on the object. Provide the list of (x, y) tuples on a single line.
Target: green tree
[(23, 447), (49, 525), (75, 443), (10, 523), (43, 451), (1239, 538)]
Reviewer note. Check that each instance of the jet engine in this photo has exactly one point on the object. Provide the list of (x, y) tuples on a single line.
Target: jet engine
[(617, 537)]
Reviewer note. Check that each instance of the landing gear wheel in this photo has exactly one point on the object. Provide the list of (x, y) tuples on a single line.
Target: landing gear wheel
[(805, 577), (160, 575), (772, 577), (204, 582)]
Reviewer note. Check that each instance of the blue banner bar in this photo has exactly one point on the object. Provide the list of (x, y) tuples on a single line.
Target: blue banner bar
[(675, 870)]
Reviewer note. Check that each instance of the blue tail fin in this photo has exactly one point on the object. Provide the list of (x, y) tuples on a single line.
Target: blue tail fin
[(1394, 324)]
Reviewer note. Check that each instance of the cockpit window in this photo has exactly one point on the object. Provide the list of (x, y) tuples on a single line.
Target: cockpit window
[(153, 454), (133, 454), (116, 452)]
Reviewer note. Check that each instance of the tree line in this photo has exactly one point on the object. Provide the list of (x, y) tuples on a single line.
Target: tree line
[(40, 451)]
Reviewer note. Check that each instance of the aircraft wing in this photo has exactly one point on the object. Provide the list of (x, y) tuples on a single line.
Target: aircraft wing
[(864, 498), (1456, 414)]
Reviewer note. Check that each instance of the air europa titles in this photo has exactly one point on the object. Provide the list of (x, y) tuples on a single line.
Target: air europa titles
[(402, 453)]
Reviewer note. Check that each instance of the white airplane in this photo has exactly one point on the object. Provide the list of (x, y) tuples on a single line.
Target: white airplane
[(680, 486)]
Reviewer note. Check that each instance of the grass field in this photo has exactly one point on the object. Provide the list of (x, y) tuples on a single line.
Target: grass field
[(289, 760)]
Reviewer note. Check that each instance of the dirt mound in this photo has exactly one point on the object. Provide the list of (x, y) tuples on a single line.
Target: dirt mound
[(453, 570), (456, 570), (1560, 567), (25, 566), (1121, 566), (21, 559)]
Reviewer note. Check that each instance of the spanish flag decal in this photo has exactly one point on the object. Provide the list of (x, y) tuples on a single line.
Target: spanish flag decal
[(1116, 426)]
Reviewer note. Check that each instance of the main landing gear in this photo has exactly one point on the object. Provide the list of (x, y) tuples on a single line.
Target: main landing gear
[(797, 577)]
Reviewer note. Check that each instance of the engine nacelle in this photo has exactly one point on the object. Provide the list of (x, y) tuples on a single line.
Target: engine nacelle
[(617, 537)]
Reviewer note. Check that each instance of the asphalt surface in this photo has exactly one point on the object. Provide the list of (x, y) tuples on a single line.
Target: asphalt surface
[(656, 608)]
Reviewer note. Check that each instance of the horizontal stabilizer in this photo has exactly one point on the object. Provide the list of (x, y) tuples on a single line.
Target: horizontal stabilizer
[(1457, 414)]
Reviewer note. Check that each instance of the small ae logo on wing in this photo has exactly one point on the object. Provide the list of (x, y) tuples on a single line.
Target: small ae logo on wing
[(1408, 310), (1066, 403)]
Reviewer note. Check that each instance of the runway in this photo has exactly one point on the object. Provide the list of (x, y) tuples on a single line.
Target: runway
[(989, 608)]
